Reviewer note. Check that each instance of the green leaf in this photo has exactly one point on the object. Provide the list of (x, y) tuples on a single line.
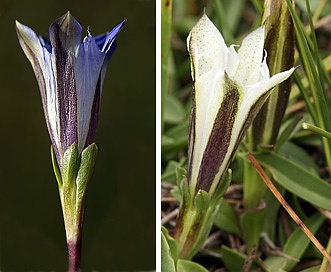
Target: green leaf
[(299, 156), (295, 246), (174, 110), (297, 179), (226, 219), (189, 266), (176, 138), (166, 19), (169, 173), (233, 260), (314, 69), (168, 252)]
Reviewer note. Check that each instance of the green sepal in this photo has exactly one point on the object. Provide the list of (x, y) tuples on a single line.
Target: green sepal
[(196, 217), (201, 204), (183, 186), (223, 186), (87, 162), (56, 168), (70, 164)]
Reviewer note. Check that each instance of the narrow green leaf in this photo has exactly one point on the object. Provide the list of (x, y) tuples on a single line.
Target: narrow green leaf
[(166, 18), (226, 219), (167, 260), (299, 156), (315, 77), (169, 173), (174, 111), (317, 130), (297, 179), (189, 266), (233, 260), (295, 246)]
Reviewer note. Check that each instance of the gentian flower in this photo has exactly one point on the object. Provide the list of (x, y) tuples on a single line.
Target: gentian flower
[(230, 87), (70, 74)]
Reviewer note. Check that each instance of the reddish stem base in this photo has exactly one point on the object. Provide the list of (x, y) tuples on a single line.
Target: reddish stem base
[(74, 254)]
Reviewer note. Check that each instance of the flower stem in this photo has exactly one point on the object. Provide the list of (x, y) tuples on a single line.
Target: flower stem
[(74, 255)]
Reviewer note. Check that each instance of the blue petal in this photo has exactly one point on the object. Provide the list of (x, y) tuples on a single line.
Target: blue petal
[(87, 66), (105, 41)]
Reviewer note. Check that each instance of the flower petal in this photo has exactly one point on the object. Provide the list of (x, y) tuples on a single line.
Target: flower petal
[(250, 55), (41, 61), (66, 33), (207, 47), (208, 97), (87, 69)]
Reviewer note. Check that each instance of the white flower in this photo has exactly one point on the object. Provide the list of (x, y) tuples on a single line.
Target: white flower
[(230, 87)]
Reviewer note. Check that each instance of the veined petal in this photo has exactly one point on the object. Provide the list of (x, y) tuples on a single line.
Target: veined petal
[(87, 67), (264, 85), (250, 55), (65, 37), (207, 47), (105, 41), (67, 32), (30, 43), (90, 68), (208, 99), (212, 157), (41, 61)]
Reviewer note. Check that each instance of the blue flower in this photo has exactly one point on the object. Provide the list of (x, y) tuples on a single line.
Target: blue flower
[(70, 74)]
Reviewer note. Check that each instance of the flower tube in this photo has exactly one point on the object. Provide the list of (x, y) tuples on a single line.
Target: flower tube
[(229, 89)]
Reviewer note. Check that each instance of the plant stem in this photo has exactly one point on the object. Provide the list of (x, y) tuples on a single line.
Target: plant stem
[(74, 255)]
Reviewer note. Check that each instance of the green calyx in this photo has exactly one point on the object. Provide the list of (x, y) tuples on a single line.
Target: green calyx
[(72, 178), (196, 216)]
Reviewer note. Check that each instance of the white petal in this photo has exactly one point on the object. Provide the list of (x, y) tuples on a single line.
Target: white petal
[(208, 97), (207, 47), (262, 87), (233, 61), (250, 55)]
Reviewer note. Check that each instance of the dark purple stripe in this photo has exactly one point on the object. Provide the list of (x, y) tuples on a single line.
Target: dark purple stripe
[(220, 136), (66, 89)]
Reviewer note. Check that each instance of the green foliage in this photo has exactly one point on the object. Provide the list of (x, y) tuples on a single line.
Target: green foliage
[(297, 179)]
